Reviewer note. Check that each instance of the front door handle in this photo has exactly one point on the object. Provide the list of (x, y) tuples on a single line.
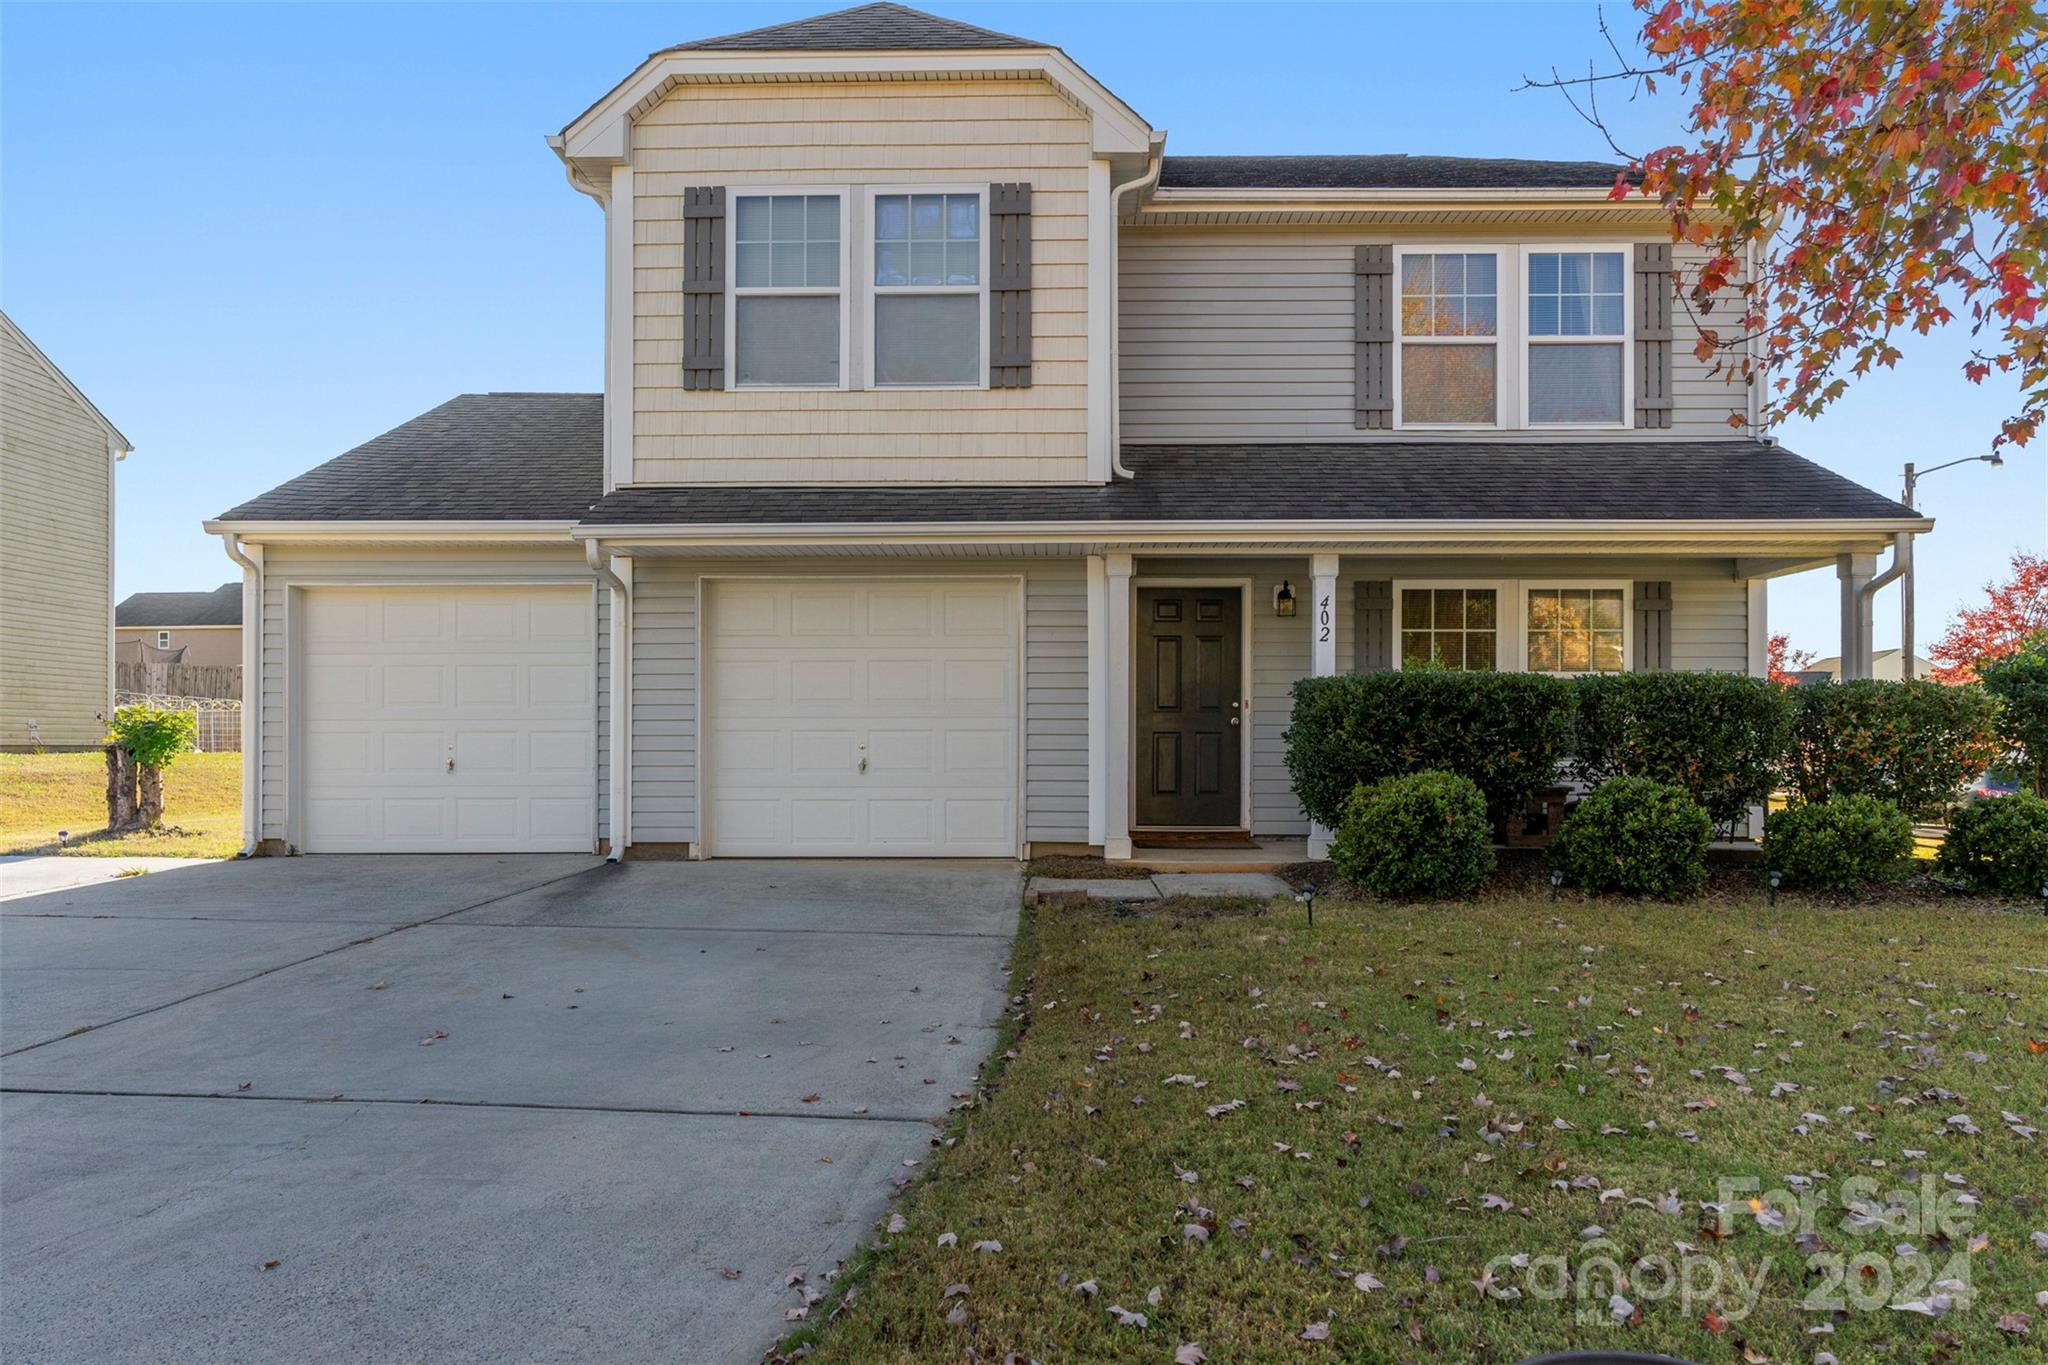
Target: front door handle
[(1233, 720)]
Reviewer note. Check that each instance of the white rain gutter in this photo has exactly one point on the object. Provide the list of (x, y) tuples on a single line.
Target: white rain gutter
[(621, 698), (1154, 163), (252, 691)]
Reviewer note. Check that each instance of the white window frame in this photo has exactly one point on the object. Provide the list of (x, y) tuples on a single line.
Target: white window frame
[(870, 291), (733, 292), (1506, 332), (1626, 341), (163, 639), (1526, 586), (1506, 632)]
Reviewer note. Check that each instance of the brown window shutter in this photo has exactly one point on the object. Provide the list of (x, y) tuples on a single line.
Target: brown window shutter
[(1653, 334), (1373, 266), (1653, 627), (1372, 639), (704, 287), (1009, 286)]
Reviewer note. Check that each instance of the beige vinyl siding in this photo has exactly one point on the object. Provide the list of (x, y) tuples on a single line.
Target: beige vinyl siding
[(665, 686), (56, 558), (289, 567), (220, 646), (859, 134), (1247, 335)]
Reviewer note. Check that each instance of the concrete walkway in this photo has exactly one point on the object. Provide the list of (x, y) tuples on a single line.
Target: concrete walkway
[(33, 874), (471, 1108), (1255, 885)]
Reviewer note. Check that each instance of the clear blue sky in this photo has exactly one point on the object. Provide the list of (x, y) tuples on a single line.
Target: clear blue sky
[(259, 234)]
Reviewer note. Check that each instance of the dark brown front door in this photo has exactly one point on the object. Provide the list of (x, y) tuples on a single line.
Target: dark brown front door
[(1190, 735)]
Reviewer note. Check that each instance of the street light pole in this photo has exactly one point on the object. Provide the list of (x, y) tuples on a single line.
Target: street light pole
[(1912, 482)]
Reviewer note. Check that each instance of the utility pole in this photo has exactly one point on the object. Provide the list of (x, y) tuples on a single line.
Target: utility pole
[(1912, 482)]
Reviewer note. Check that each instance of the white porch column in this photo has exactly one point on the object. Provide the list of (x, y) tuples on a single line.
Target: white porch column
[(1116, 714), (1322, 655), (1854, 571), (1098, 696)]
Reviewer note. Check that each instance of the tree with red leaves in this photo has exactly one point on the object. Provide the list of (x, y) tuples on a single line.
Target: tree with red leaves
[(2013, 610), (1856, 167), (1782, 662)]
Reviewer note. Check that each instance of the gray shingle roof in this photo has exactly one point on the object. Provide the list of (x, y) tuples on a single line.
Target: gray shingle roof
[(1392, 172), (1397, 480), (879, 27), (477, 457), (540, 457), (157, 610)]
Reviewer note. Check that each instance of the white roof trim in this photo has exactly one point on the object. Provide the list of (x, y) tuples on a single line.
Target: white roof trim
[(599, 132), (114, 436), (392, 530)]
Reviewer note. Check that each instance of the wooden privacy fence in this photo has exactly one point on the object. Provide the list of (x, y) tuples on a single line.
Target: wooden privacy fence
[(179, 680), (217, 720)]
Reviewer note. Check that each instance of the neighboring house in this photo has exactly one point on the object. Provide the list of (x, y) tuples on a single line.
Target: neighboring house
[(1885, 664), (972, 479), (203, 628), (57, 458)]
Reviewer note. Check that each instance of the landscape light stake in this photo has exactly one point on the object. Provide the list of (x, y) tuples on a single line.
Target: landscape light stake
[(2044, 898), (1307, 896), (1776, 878), (1556, 880)]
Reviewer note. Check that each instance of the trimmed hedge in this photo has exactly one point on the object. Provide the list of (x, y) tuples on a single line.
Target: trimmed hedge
[(1635, 835), (2019, 683), (1508, 733), (1426, 834), (1999, 844), (1839, 844), (1913, 744), (1719, 736)]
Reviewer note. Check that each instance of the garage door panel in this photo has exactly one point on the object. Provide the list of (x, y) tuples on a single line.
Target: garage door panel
[(805, 681), (397, 683)]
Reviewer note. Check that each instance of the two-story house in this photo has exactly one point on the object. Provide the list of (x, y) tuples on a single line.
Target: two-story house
[(973, 478)]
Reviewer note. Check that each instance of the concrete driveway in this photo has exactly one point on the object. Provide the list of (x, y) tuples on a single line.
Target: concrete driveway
[(519, 1108)]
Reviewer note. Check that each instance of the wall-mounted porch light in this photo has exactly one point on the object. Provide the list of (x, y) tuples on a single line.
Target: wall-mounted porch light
[(1283, 599)]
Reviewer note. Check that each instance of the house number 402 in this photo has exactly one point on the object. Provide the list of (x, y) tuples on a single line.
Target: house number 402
[(1323, 619)]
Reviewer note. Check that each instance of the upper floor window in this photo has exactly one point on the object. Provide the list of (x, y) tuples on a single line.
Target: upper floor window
[(1449, 356), (1577, 307), (789, 295), (163, 639), (928, 295)]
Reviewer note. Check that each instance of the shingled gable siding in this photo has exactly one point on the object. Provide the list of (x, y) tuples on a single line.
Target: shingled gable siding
[(897, 133), (1250, 334), (666, 687)]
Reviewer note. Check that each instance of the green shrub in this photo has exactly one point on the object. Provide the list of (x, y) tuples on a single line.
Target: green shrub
[(1912, 744), (1507, 732), (1719, 736), (1426, 834), (1635, 835), (2000, 844), (2019, 683), (1838, 844), (153, 735)]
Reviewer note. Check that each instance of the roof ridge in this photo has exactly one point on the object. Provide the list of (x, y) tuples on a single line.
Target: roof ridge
[(832, 30)]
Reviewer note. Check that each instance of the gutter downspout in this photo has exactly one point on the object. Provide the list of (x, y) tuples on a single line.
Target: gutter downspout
[(252, 690), (1902, 560), (1154, 164), (621, 698)]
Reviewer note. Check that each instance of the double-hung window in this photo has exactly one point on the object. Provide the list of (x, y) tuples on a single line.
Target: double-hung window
[(789, 290), (163, 639), (930, 267), (1449, 350), (1577, 338)]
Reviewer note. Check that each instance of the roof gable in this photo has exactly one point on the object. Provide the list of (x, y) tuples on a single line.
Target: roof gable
[(864, 28), (85, 404)]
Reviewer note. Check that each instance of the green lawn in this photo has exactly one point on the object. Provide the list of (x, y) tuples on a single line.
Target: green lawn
[(43, 793), (1358, 1118)]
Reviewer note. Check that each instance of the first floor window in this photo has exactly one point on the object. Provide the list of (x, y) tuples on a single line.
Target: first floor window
[(1455, 628), (787, 290), (928, 289), (1576, 335), (1450, 324), (1576, 630)]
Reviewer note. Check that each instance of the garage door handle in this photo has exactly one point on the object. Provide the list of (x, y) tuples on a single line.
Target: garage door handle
[(863, 763), (451, 763)]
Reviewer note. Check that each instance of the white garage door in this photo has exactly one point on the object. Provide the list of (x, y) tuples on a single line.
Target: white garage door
[(861, 719), (447, 720)]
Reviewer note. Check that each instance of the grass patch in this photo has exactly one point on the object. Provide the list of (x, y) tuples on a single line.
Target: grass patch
[(43, 793), (1084, 868), (1428, 1088)]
